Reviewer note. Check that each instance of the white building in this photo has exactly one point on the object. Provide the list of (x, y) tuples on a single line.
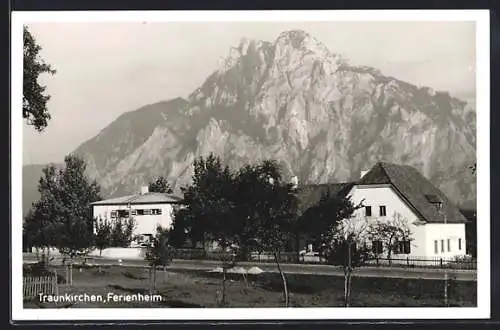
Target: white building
[(148, 209), (387, 190)]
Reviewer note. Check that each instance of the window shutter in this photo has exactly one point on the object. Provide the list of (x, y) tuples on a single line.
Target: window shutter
[(368, 211), (382, 211), (407, 247)]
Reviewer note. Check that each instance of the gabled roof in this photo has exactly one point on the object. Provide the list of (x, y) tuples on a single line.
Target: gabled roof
[(470, 215), (416, 190), (147, 198), (310, 195)]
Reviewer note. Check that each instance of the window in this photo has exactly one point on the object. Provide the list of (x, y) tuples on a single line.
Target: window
[(448, 243), (460, 244), (368, 211), (382, 211), (133, 212), (435, 201), (113, 214), (407, 247), (377, 247), (403, 247), (436, 247), (122, 213), (148, 211), (442, 245)]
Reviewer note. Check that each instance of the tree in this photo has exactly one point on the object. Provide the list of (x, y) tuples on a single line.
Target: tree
[(34, 97), (209, 208), (38, 226), (161, 185), (75, 235), (205, 199), (348, 245), (182, 227), (102, 236), (159, 253), (323, 217), (63, 214), (177, 234), (38, 231), (122, 230), (267, 208), (394, 234)]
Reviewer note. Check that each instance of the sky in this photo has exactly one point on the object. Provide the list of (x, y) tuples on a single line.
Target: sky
[(106, 69)]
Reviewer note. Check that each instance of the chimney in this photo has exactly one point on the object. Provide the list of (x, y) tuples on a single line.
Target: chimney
[(144, 190), (294, 181), (363, 172)]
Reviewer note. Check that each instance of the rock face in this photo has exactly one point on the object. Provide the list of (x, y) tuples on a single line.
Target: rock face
[(295, 101)]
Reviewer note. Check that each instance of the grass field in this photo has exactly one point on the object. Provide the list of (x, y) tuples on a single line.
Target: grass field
[(182, 288)]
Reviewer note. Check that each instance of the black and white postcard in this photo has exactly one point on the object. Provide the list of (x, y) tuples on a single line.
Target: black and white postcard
[(250, 165)]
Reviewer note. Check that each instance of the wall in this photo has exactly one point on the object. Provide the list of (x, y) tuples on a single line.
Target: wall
[(441, 231), (121, 253), (145, 224), (385, 195)]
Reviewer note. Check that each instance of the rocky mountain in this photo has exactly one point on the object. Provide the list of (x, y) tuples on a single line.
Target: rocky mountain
[(295, 101)]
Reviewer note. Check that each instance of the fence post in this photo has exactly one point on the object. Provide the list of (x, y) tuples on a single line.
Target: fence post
[(150, 280), (441, 262), (57, 287), (71, 274), (376, 258), (408, 261), (66, 273)]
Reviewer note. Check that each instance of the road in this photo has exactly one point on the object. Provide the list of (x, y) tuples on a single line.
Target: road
[(393, 272)]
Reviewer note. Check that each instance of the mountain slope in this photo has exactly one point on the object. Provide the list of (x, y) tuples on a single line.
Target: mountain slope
[(295, 101)]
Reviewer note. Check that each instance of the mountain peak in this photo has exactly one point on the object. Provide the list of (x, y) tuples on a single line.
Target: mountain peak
[(300, 40), (294, 101), (297, 36)]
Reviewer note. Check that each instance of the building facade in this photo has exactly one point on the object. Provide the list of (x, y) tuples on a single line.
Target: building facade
[(399, 193), (148, 209)]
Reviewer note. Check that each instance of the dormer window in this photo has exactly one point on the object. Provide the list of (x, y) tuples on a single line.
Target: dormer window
[(435, 201)]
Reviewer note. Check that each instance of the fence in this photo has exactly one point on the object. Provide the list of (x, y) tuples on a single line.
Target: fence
[(33, 286), (201, 254), (461, 263), (425, 262)]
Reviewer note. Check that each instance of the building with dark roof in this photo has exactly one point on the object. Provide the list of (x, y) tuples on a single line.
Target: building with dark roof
[(390, 190)]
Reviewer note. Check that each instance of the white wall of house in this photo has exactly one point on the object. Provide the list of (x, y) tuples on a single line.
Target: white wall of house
[(445, 240), (145, 224), (130, 253), (384, 195)]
